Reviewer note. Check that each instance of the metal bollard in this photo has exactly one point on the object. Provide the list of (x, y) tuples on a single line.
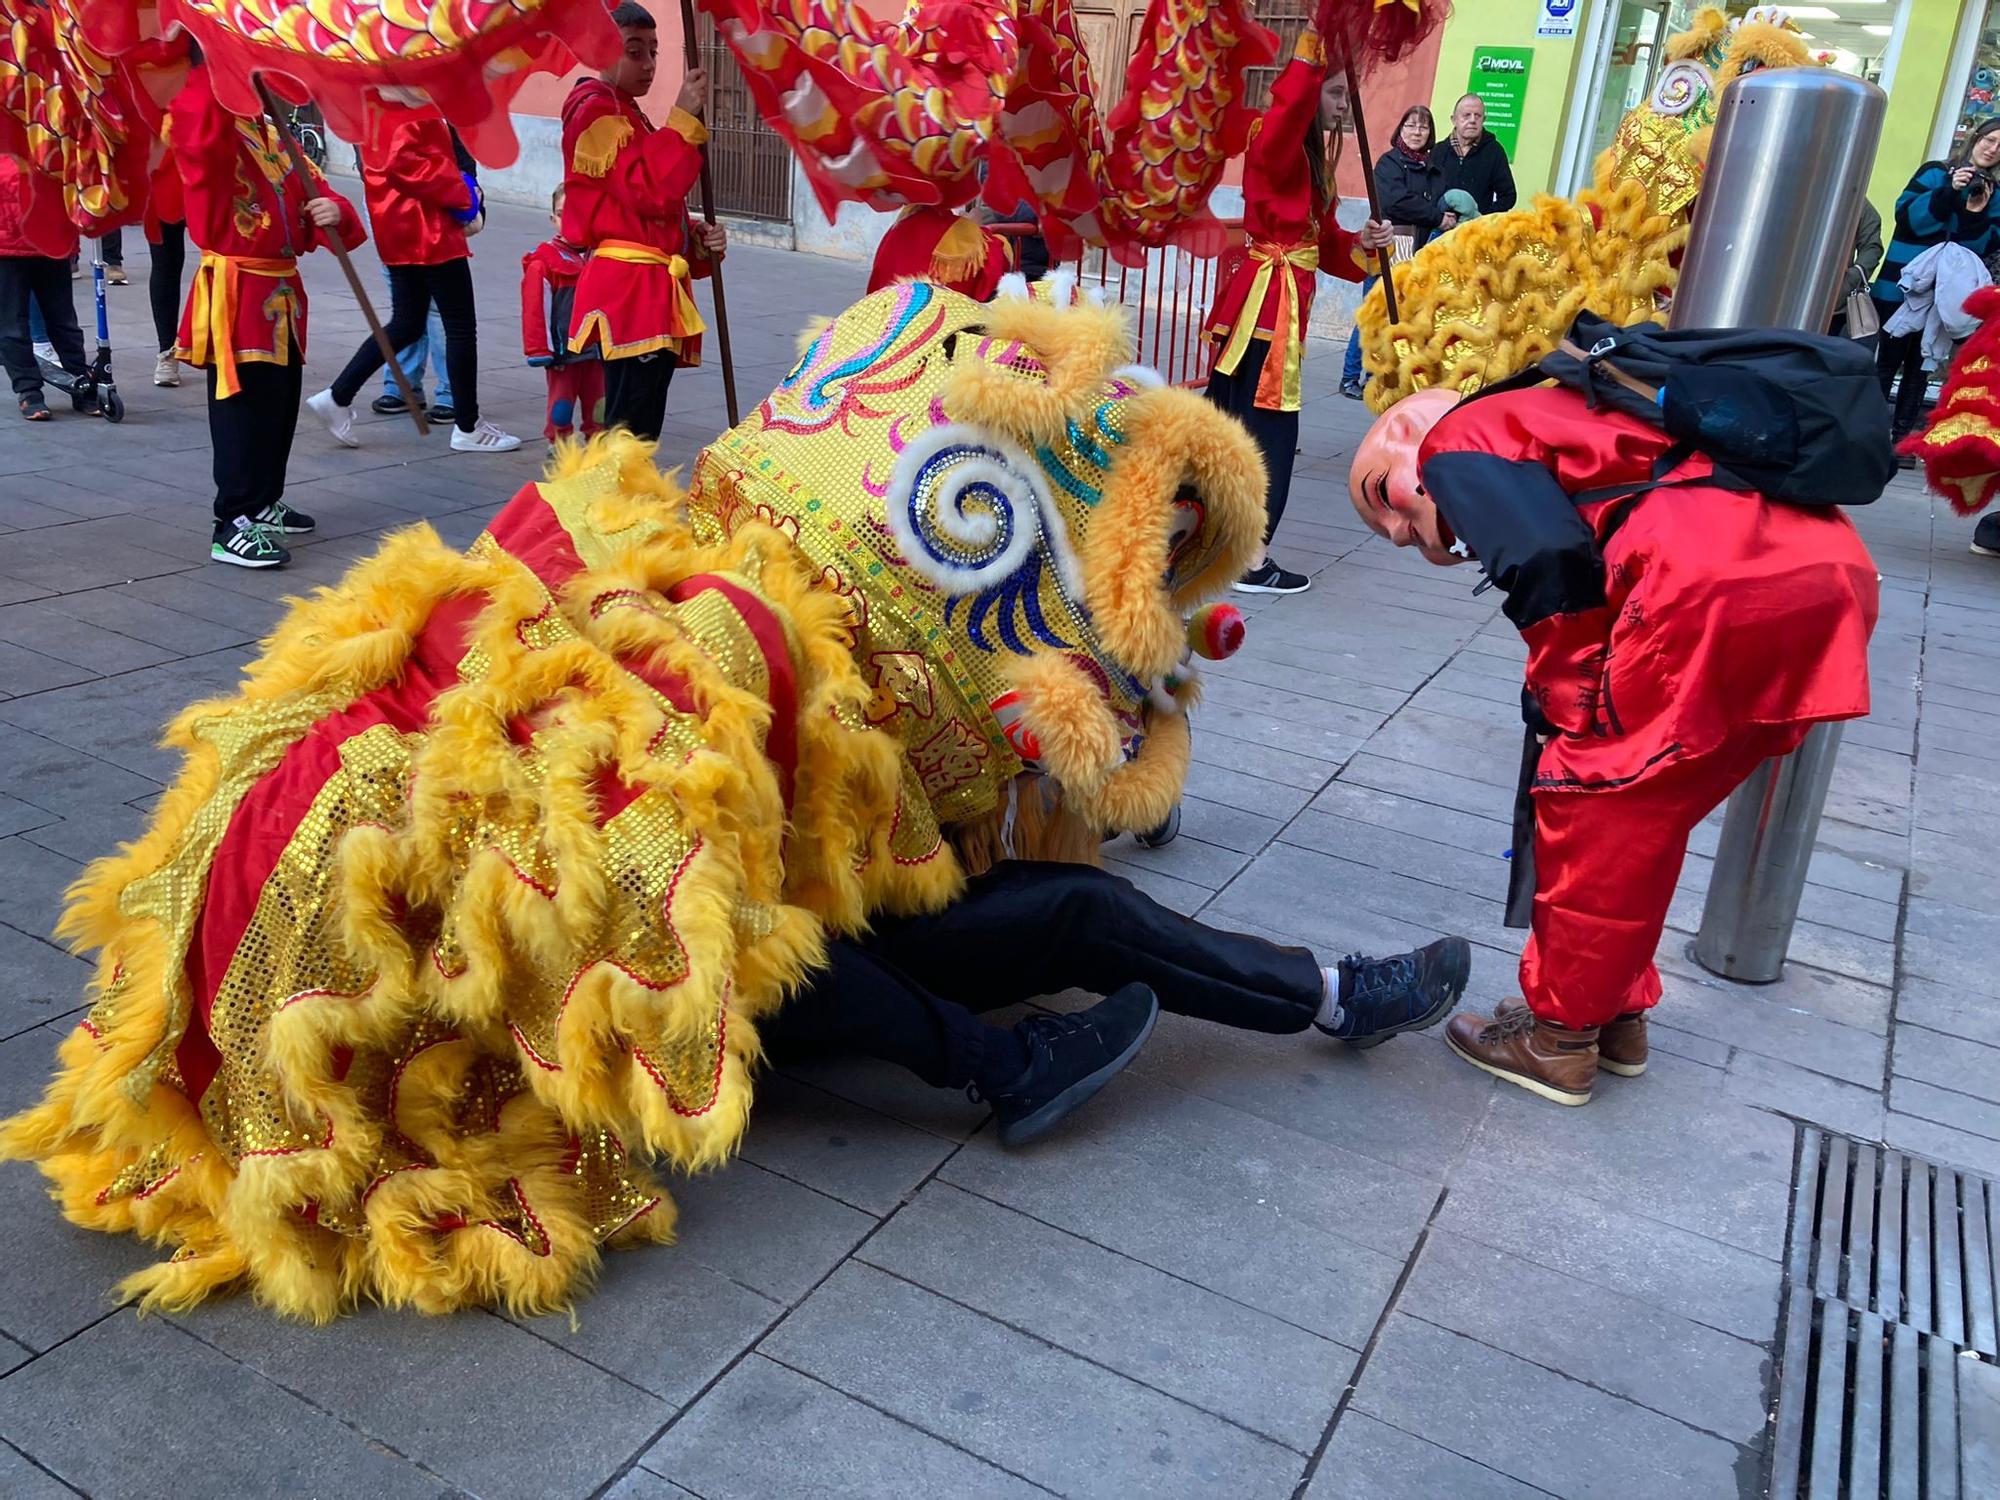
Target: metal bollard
[(1772, 239)]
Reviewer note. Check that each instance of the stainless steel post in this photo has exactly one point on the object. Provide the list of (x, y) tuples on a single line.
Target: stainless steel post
[(1773, 237)]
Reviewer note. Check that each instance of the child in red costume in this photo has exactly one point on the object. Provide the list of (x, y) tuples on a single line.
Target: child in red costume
[(930, 242), (1676, 640), (36, 242), (419, 202), (1259, 319), (549, 275), (626, 187), (245, 322)]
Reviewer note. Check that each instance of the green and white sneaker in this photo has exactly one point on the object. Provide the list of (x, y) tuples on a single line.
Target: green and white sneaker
[(280, 517), (243, 543)]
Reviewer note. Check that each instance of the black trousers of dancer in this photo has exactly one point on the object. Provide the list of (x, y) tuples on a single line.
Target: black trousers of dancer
[(46, 280), (635, 392), (1276, 432), (1028, 928), (252, 436), (1901, 356), (163, 282), (412, 290)]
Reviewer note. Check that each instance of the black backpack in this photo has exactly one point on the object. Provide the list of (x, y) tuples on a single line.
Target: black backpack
[(1797, 417)]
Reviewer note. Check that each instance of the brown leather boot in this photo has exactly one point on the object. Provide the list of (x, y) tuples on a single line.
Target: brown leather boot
[(1621, 1045), (1539, 1056)]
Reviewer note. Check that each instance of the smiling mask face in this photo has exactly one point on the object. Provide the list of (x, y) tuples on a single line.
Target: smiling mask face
[(1383, 483)]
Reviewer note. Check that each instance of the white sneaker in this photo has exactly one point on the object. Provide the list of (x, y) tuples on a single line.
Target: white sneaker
[(339, 419), (485, 438), (166, 369), (45, 350)]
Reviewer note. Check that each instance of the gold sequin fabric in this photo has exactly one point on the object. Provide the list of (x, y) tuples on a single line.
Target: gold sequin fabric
[(465, 910)]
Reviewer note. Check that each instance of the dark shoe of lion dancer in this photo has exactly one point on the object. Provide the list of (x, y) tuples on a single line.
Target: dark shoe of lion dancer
[(1677, 638)]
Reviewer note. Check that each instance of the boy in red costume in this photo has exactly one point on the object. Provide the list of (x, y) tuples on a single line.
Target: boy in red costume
[(36, 242), (549, 275), (419, 202), (245, 322), (1259, 320), (1677, 638), (626, 187), (929, 242)]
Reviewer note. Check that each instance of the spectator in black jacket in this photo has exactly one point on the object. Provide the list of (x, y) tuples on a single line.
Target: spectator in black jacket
[(1406, 182), (1473, 160)]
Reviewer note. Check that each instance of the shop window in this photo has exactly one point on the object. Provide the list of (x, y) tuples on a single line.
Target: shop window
[(1978, 93)]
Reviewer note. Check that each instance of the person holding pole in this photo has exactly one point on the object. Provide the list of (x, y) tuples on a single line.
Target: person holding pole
[(1259, 318), (420, 203), (625, 202), (245, 323)]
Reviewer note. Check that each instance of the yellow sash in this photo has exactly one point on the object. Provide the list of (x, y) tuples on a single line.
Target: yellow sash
[(684, 317), (1278, 384), (212, 305)]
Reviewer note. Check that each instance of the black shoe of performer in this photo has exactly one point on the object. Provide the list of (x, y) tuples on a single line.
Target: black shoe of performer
[(1407, 992), (1069, 1059), (1268, 578)]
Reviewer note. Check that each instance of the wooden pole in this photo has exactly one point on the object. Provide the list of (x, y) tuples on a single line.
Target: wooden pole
[(1368, 177), (277, 116), (692, 53)]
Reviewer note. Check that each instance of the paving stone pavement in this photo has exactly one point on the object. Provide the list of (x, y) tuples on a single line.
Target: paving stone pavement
[(1255, 1267)]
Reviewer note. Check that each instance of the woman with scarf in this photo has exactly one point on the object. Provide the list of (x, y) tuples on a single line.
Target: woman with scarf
[(1410, 187), (1259, 318)]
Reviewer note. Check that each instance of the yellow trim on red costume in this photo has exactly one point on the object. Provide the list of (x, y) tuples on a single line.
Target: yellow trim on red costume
[(213, 302), (1278, 385)]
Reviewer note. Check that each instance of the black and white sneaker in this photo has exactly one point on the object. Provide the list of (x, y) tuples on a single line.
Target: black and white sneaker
[(1986, 535), (1353, 390), (389, 404), (1069, 1059), (1268, 578), (1406, 992), (280, 517), (245, 544)]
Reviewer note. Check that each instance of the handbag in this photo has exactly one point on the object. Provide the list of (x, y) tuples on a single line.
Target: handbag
[(1863, 321)]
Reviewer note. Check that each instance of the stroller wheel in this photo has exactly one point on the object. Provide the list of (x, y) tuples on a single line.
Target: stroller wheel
[(110, 403)]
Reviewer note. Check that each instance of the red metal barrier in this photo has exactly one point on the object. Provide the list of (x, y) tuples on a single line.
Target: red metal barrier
[(1169, 292)]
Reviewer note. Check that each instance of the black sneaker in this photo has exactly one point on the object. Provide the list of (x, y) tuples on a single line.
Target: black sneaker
[(1986, 535), (1069, 1059), (1408, 992), (280, 517), (1352, 390), (1268, 578), (441, 414), (390, 405), (34, 407), (244, 544)]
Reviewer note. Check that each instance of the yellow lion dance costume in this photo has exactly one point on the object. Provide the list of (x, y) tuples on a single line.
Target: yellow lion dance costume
[(467, 906), (1495, 295)]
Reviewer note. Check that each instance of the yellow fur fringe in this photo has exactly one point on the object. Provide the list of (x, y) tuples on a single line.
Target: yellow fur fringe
[(494, 1212)]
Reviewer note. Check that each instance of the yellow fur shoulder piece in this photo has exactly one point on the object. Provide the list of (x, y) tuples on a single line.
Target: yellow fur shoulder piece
[(1709, 26), (473, 996), (598, 147)]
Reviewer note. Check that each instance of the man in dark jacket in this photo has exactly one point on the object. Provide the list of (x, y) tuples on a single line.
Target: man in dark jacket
[(1473, 160)]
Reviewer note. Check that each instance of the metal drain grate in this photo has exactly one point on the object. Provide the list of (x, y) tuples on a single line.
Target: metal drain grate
[(1904, 1238), (1887, 1385)]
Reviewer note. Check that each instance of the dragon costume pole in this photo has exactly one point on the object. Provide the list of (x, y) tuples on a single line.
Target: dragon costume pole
[(295, 155), (1368, 177), (693, 55)]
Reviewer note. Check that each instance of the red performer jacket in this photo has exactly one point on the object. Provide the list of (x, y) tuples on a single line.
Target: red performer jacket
[(1656, 624), (930, 242), (246, 214), (1267, 286), (549, 274), (413, 184), (165, 202), (625, 186)]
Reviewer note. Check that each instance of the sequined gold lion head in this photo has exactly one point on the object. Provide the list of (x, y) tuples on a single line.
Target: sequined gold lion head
[(1664, 142), (1020, 521)]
